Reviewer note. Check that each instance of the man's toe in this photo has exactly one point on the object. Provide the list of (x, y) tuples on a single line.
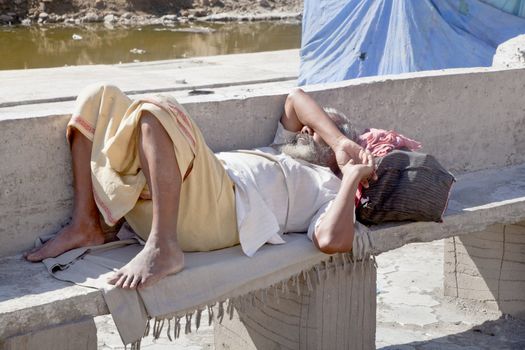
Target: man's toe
[(127, 282), (135, 282), (35, 256), (121, 281), (114, 278), (30, 251)]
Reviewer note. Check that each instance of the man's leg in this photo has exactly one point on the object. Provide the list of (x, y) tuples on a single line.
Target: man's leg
[(84, 229), (161, 255)]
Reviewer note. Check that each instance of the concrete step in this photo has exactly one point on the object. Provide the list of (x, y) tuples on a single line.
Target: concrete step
[(42, 86)]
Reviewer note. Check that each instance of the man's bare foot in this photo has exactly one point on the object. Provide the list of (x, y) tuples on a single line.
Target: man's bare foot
[(70, 237), (156, 261)]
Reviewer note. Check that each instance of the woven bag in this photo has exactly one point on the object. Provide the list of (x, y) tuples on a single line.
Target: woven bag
[(411, 186)]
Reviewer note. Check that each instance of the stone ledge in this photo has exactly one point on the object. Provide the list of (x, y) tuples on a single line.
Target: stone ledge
[(478, 200), (30, 298)]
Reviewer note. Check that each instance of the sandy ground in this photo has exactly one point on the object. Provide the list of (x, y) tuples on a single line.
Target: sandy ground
[(412, 312)]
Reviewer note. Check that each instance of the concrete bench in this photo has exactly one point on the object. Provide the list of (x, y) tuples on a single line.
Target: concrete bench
[(471, 119), (30, 299)]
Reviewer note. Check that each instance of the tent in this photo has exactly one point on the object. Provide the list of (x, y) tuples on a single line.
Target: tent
[(345, 39)]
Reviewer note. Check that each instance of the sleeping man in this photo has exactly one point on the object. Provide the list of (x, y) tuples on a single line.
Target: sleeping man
[(147, 161)]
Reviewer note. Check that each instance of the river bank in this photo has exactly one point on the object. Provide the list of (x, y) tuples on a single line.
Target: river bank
[(144, 12)]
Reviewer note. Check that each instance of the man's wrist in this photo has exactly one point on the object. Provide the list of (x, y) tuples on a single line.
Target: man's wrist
[(338, 141), (350, 172)]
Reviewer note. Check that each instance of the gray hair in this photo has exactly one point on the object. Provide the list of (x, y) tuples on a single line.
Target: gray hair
[(342, 122)]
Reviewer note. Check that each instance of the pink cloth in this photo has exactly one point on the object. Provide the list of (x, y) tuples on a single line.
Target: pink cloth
[(380, 142)]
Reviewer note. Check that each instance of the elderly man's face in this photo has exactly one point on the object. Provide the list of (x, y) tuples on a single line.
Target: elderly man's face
[(306, 146)]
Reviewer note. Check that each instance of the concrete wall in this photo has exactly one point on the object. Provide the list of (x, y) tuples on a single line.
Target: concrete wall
[(470, 119), (78, 335), (488, 266)]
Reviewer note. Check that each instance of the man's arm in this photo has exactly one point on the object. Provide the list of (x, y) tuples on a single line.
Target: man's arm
[(335, 232), (302, 110)]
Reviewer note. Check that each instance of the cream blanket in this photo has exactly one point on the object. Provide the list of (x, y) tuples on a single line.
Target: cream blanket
[(208, 278)]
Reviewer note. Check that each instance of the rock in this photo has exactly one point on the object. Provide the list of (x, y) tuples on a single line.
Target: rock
[(26, 22), (217, 3), (91, 17), (6, 19), (511, 53), (127, 15), (69, 21), (184, 13), (100, 4), (52, 18), (110, 18), (200, 13), (169, 18), (43, 16), (264, 3), (76, 37), (156, 21), (141, 20)]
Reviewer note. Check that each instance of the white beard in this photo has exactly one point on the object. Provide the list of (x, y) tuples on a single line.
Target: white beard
[(305, 148)]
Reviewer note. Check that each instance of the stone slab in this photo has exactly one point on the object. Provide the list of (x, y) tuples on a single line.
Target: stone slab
[(77, 335), (497, 280), (511, 53), (30, 299), (478, 200)]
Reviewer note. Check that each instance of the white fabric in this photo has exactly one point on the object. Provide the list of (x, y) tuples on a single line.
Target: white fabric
[(277, 194)]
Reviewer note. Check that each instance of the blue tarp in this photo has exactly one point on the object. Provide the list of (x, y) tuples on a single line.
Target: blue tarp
[(345, 39), (515, 7)]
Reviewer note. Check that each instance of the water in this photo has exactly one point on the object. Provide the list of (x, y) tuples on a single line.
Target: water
[(48, 46)]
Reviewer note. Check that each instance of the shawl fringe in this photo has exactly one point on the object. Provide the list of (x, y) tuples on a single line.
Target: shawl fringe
[(309, 278)]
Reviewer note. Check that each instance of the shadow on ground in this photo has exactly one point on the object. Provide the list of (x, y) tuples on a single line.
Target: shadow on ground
[(505, 333)]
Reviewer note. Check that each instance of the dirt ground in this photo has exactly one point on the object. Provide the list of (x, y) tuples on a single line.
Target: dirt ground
[(18, 10)]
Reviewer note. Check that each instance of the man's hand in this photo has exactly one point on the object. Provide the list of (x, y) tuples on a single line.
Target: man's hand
[(364, 172), (349, 153)]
